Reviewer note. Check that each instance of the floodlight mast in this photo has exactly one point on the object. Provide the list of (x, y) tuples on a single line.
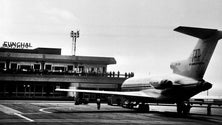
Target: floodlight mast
[(74, 35)]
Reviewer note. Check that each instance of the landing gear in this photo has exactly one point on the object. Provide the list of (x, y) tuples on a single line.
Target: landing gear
[(183, 108), (144, 107), (129, 104)]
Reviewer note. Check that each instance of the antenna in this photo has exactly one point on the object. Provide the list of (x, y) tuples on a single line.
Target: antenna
[(74, 35)]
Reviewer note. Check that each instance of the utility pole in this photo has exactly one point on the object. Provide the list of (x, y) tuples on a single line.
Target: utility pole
[(74, 35)]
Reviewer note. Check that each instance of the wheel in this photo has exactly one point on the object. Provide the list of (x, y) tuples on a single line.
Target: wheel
[(179, 108), (186, 109), (143, 108), (76, 103), (125, 104), (183, 108)]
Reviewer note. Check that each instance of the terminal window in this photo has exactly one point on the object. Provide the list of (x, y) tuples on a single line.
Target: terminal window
[(14, 66), (81, 69), (48, 67), (25, 67), (70, 67), (37, 66), (59, 68), (2, 65)]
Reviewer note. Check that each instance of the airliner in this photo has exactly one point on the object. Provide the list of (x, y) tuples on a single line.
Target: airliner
[(184, 82)]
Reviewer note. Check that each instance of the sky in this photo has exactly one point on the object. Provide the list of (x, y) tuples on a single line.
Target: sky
[(137, 33)]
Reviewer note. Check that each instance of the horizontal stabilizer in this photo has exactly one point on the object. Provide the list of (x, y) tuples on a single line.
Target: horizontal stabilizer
[(201, 33)]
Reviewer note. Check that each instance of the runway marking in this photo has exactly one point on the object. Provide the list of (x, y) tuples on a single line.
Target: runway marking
[(26, 118), (8, 110), (11, 111), (108, 121), (43, 110)]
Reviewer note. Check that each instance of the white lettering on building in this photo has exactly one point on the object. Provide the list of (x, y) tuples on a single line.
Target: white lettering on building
[(16, 45)]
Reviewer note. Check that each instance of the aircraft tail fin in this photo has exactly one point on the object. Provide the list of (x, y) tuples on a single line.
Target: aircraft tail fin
[(196, 65), (201, 33)]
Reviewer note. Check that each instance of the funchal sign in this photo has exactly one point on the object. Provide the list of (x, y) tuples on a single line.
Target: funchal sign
[(16, 45)]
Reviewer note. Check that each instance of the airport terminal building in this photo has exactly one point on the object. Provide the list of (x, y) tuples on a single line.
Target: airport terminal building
[(36, 73)]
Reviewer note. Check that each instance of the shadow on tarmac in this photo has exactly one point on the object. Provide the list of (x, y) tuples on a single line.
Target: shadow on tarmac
[(99, 111), (197, 117)]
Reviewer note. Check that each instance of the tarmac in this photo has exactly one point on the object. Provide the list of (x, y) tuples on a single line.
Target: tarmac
[(16, 112)]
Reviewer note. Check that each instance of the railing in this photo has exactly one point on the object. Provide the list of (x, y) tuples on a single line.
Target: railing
[(86, 74)]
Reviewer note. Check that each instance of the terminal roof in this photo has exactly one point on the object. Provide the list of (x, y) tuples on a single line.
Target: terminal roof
[(50, 55)]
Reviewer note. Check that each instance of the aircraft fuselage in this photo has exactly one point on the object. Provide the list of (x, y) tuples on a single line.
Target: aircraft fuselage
[(167, 88)]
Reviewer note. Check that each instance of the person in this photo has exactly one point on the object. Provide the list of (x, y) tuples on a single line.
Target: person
[(98, 101)]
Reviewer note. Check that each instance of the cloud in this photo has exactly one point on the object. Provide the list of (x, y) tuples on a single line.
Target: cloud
[(60, 15)]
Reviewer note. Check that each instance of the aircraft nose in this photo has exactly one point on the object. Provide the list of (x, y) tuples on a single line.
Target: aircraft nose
[(206, 86)]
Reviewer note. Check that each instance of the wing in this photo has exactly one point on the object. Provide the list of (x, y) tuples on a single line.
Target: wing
[(150, 94)]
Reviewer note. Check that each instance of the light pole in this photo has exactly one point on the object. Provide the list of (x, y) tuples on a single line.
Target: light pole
[(74, 35)]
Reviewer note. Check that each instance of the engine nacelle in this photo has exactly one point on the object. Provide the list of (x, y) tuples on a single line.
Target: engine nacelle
[(164, 84), (203, 86)]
